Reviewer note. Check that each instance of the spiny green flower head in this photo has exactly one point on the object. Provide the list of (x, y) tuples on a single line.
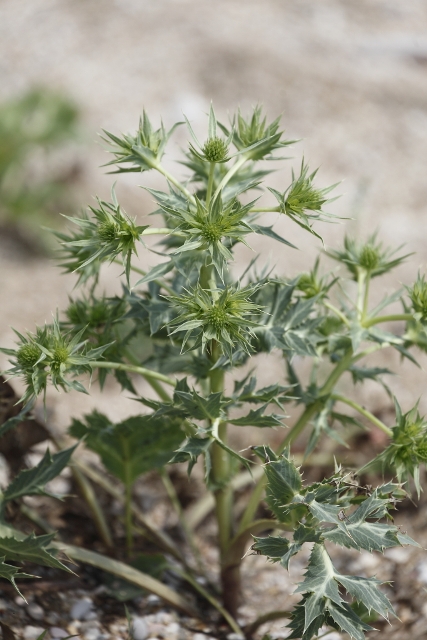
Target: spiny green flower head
[(93, 313), (418, 296), (408, 448), (311, 285), (206, 227), (49, 355), (139, 152), (77, 258), (107, 235), (369, 257), (302, 201), (253, 137), (221, 315), (215, 149)]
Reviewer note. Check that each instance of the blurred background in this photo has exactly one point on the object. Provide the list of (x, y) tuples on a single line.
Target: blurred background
[(349, 77)]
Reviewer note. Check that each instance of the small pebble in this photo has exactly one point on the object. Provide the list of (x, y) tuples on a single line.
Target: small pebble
[(91, 634), (235, 636), (32, 633), (139, 629), (422, 572), (88, 624), (35, 611), (52, 618), (92, 615), (171, 630), (399, 555), (152, 598), (81, 608), (57, 632)]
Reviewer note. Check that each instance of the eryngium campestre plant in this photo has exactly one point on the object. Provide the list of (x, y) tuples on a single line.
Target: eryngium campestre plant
[(202, 324)]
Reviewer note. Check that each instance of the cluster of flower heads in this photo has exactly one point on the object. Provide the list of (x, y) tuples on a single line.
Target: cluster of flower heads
[(49, 354)]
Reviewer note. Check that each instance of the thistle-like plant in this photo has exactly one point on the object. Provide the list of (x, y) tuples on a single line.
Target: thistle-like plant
[(202, 324)]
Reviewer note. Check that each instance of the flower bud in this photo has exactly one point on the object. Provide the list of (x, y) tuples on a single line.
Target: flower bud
[(28, 355), (215, 150), (369, 257), (418, 296)]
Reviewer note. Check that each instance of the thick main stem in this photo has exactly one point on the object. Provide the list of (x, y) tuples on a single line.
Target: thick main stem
[(223, 495)]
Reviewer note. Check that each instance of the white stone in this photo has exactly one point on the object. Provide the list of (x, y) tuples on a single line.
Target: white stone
[(57, 632), (81, 608), (422, 571), (35, 611), (91, 634), (140, 629), (171, 630), (399, 555), (32, 633)]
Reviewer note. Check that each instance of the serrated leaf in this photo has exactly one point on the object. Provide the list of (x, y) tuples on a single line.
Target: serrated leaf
[(268, 231), (349, 621), (190, 450), (31, 549), (283, 484), (362, 534), (257, 418), (322, 582), (156, 272), (32, 481), (131, 447), (201, 408), (272, 546), (11, 573)]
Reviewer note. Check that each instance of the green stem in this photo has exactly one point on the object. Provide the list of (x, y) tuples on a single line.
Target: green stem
[(123, 366), (236, 166), (213, 601), (361, 278), (128, 499), (265, 617), (164, 231), (89, 496), (337, 312), (394, 317), (173, 497), (210, 184), (155, 384), (156, 536), (265, 210), (364, 412), (175, 182), (141, 272), (366, 296)]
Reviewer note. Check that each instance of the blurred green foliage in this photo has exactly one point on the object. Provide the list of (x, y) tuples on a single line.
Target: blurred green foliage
[(35, 177)]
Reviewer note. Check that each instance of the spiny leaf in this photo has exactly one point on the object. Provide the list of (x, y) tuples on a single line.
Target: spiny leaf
[(190, 450), (32, 481)]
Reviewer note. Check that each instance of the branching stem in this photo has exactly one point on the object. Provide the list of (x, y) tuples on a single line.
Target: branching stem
[(175, 182), (123, 366), (364, 412)]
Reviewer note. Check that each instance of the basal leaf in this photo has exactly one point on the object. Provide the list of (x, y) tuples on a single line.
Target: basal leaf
[(31, 549), (132, 447), (32, 481)]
